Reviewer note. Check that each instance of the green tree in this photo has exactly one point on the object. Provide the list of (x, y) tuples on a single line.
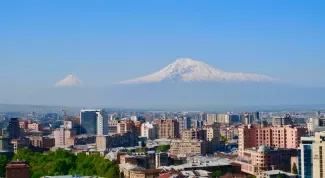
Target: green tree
[(3, 163), (62, 162), (217, 173), (294, 169), (140, 150), (280, 175), (162, 148), (251, 176)]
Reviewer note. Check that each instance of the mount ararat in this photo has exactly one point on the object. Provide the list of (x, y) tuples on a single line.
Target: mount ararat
[(184, 84)]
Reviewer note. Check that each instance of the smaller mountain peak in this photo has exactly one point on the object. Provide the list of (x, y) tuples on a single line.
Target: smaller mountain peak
[(69, 80)]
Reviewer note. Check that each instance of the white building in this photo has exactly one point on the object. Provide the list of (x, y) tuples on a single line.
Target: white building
[(211, 119), (312, 124), (134, 118), (311, 156), (149, 131)]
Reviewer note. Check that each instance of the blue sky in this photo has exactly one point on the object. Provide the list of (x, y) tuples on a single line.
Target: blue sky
[(103, 42)]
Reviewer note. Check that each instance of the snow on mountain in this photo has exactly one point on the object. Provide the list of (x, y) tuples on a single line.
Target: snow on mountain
[(189, 70), (69, 80)]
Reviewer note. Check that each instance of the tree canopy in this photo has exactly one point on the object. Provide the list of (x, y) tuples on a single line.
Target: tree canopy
[(62, 162), (294, 169), (162, 148)]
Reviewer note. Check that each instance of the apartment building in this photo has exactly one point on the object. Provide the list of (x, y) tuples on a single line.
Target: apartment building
[(188, 146), (279, 137), (167, 128), (255, 160)]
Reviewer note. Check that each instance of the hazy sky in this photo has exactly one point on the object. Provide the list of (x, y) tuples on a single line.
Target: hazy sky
[(103, 42)]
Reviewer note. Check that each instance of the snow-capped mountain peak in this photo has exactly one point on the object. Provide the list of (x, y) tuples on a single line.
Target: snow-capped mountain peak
[(189, 70), (69, 80)]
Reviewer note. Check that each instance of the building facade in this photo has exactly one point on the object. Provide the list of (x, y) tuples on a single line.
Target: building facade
[(311, 156), (281, 121), (192, 134), (187, 147), (279, 137), (94, 122), (149, 131), (213, 139), (17, 169), (167, 128), (253, 160), (13, 129)]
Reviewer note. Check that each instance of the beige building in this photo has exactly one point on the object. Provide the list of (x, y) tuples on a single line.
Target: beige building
[(211, 119), (125, 126), (102, 143), (187, 147), (167, 128), (254, 160), (132, 171), (213, 139), (312, 156), (192, 134)]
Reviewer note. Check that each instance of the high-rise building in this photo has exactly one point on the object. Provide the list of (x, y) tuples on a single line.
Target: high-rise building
[(211, 119), (94, 122), (167, 128), (213, 139), (256, 116), (61, 135), (247, 119), (281, 121), (311, 157), (149, 131), (184, 124), (13, 129)]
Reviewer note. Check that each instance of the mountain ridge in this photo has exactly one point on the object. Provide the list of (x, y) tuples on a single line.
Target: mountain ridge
[(189, 70), (69, 81)]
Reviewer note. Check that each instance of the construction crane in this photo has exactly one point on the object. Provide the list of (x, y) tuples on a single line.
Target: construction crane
[(65, 114)]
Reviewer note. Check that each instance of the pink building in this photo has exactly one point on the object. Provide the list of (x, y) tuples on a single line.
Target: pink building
[(61, 135), (278, 137), (254, 160)]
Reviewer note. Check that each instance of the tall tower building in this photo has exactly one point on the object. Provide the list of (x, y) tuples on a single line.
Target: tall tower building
[(213, 139), (94, 122), (311, 156), (184, 123), (13, 128)]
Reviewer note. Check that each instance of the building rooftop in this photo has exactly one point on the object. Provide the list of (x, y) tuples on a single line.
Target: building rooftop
[(276, 172), (203, 163)]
